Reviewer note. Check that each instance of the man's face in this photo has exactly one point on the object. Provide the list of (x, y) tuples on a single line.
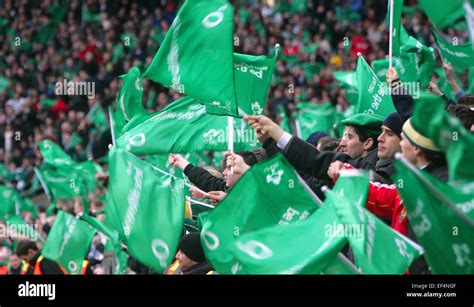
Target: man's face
[(389, 144), (350, 143), (408, 150), (15, 261), (184, 262), (230, 178)]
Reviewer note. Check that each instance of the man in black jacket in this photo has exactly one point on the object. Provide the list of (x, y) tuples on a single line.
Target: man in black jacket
[(29, 252), (358, 145)]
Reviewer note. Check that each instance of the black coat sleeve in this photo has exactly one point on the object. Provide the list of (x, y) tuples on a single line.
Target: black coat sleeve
[(305, 158), (203, 179), (270, 147)]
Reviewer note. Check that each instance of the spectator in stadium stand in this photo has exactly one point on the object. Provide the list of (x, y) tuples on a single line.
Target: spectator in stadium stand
[(190, 259), (29, 252)]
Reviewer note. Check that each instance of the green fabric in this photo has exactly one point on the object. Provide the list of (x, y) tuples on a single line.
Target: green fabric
[(314, 117), (298, 248), (371, 240), (374, 97), (68, 242), (458, 56), (425, 57), (121, 257), (98, 117), (196, 56), (146, 207), (246, 209), (397, 15), (253, 75), (185, 126), (441, 218), (448, 134), (371, 123), (130, 96), (443, 13)]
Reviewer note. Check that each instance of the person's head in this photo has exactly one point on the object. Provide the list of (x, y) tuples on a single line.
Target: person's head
[(15, 261), (389, 139), (465, 114), (315, 137), (360, 134), (232, 177), (417, 148), (26, 250), (190, 251), (327, 143)]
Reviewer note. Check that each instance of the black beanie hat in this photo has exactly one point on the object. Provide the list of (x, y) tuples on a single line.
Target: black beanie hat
[(394, 123), (190, 245)]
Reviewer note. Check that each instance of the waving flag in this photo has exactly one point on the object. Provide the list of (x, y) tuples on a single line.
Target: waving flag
[(196, 56)]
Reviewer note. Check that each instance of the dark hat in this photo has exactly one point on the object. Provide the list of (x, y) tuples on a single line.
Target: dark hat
[(314, 138), (370, 123), (190, 245), (394, 123)]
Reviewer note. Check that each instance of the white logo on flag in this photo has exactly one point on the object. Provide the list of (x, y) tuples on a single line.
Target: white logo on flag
[(214, 244), (255, 249), (72, 266), (213, 136), (256, 108), (163, 254), (215, 18), (275, 176), (462, 252)]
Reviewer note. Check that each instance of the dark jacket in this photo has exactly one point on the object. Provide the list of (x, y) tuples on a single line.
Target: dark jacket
[(201, 268), (48, 267), (204, 180), (383, 170)]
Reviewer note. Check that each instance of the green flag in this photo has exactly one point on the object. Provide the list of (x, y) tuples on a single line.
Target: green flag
[(443, 13), (459, 56), (26, 205), (68, 242), (185, 126), (397, 16), (298, 248), (253, 75), (447, 133), (374, 97), (98, 117), (372, 241), (405, 64), (54, 155), (9, 202), (438, 216), (147, 207), (130, 96), (424, 58), (121, 257), (282, 198), (62, 182), (314, 117), (348, 78), (196, 56)]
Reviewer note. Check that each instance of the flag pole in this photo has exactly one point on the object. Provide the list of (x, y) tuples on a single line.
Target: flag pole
[(173, 176), (112, 126), (470, 20), (444, 200), (390, 39), (43, 184), (230, 137), (348, 263)]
